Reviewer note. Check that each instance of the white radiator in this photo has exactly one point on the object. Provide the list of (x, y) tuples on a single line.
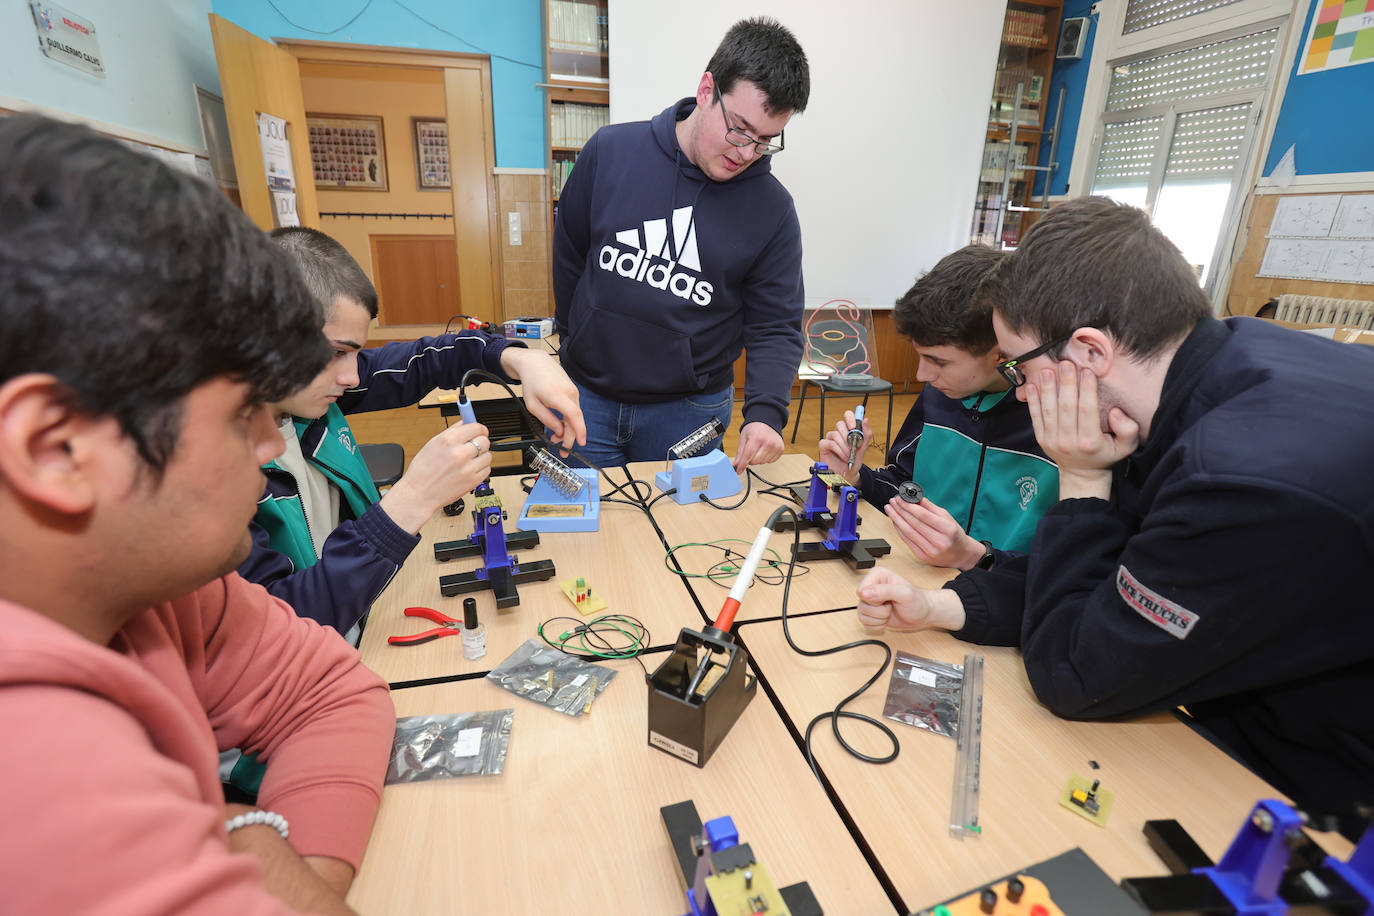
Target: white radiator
[(1341, 313)]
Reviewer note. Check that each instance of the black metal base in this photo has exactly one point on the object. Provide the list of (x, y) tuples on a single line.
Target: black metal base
[(501, 580), (862, 554), (469, 547)]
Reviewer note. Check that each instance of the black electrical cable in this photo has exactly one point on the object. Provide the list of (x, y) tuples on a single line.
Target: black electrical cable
[(839, 711)]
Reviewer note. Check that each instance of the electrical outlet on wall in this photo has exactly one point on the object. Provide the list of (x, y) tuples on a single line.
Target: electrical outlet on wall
[(513, 218)]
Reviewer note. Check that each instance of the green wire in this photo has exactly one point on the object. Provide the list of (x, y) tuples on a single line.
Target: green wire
[(726, 572)]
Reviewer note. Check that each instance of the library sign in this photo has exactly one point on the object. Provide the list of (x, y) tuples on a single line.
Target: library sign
[(67, 38)]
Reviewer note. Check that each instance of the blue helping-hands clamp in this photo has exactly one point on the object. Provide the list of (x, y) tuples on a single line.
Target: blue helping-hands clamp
[(842, 530), (1270, 869), (500, 570)]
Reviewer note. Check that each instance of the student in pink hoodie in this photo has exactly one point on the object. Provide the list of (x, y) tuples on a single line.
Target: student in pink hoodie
[(145, 325)]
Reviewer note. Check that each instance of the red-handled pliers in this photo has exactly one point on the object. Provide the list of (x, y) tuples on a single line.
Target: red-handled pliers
[(447, 627)]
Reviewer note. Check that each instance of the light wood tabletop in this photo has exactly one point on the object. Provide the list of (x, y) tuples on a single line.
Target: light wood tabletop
[(572, 825), (820, 585), (622, 563), (1156, 766)]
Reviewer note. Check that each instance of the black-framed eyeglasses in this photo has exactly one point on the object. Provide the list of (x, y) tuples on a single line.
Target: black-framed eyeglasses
[(1010, 369), (742, 138)]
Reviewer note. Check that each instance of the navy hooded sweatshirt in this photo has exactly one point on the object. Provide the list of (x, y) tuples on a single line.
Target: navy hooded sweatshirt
[(661, 275)]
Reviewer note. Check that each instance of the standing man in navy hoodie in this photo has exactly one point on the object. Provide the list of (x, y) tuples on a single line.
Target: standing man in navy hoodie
[(675, 248)]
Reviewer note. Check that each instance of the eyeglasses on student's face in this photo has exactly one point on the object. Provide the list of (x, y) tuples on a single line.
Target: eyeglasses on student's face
[(1010, 369), (741, 138)]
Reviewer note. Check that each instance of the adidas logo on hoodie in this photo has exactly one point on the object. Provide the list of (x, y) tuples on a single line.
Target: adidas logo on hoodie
[(647, 258)]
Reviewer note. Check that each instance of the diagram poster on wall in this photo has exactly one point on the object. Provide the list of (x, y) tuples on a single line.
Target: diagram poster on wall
[(1342, 35), (1326, 237)]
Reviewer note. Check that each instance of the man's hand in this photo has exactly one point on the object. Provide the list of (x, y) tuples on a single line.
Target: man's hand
[(449, 466), (549, 394), (759, 443), (933, 535), (834, 449), (314, 884), (886, 600), (1068, 424)]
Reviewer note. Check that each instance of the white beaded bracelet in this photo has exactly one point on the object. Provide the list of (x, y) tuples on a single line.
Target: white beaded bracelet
[(269, 818)]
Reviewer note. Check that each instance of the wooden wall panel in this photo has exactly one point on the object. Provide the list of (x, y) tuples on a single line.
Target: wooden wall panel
[(1248, 292), (416, 279)]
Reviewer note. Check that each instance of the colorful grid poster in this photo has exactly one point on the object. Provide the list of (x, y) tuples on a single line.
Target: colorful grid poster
[(1342, 35)]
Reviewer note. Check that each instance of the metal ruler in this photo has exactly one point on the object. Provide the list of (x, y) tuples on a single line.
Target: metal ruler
[(963, 816)]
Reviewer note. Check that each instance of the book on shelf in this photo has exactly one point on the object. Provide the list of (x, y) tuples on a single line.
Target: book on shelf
[(572, 123), (576, 26), (1025, 28)]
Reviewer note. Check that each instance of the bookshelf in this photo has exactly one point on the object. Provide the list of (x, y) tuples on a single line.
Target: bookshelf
[(1017, 123), (577, 81)]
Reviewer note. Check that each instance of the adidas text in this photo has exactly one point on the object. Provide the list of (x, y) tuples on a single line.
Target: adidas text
[(636, 264)]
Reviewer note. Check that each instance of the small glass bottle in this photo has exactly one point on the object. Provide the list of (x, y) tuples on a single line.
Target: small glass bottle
[(474, 633)]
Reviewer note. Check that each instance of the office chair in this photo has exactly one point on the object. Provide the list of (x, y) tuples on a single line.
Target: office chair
[(385, 462)]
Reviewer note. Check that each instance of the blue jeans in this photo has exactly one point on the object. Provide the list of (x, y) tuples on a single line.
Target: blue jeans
[(618, 433)]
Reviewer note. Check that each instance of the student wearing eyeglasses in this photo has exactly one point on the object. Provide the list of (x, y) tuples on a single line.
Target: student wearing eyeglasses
[(675, 248), (1214, 537)]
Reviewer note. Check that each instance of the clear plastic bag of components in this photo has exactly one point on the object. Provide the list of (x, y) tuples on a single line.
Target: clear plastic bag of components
[(555, 679), (925, 693), (459, 744)]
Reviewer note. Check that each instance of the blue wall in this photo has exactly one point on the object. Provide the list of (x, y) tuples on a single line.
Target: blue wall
[(1073, 76), (512, 29), (1327, 116), (154, 51)]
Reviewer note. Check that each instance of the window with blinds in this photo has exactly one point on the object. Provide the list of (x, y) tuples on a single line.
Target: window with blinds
[(1145, 14), (1175, 131), (1231, 65)]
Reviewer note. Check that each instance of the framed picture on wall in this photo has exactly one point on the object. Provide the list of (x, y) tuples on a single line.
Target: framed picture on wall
[(431, 153), (347, 151)]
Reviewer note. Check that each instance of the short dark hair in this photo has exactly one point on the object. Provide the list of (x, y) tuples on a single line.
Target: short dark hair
[(327, 267), (133, 284), (1092, 262), (764, 52), (939, 309)]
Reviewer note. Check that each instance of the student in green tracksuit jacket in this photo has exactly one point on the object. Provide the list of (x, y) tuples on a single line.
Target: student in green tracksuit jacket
[(967, 441)]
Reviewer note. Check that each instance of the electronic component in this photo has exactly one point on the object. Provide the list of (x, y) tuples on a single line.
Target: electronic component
[(1087, 798), (723, 876), (580, 594), (528, 327), (910, 491)]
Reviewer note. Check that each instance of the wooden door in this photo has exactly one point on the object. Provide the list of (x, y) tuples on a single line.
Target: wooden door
[(256, 76), (416, 278), (474, 203)]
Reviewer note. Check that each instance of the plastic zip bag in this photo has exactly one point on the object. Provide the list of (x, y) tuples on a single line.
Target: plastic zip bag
[(552, 678), (458, 744), (925, 693)]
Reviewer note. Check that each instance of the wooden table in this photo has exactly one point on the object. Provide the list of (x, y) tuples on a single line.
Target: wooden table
[(1156, 766), (825, 585), (572, 825), (622, 562)]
